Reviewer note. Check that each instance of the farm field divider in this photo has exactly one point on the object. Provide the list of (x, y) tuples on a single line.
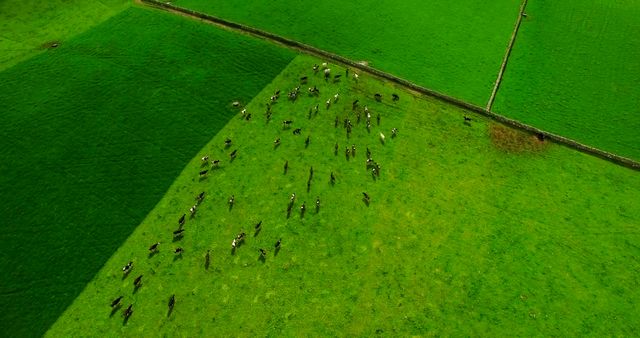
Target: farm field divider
[(503, 66), (624, 161)]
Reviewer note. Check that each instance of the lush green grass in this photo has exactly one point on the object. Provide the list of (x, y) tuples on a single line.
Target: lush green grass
[(455, 47), (92, 135), (460, 238), (26, 26), (574, 71)]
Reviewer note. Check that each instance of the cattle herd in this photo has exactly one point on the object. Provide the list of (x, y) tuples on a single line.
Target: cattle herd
[(207, 165)]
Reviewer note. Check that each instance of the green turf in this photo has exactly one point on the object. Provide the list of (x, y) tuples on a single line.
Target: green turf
[(461, 238), (92, 135), (455, 47), (26, 26), (574, 71)]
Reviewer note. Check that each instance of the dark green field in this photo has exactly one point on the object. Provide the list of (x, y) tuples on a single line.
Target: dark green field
[(93, 133), (452, 47), (575, 71), (471, 230)]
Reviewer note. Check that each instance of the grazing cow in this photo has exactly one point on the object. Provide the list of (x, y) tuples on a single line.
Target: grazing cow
[(207, 259), (382, 137), (178, 251), (205, 158), (335, 149), (378, 118), (116, 302), (215, 163), (276, 142), (286, 166), (467, 119), (328, 103), (303, 208), (335, 122), (154, 247), (346, 72), (263, 253), (137, 282), (248, 117), (200, 197), (233, 154), (365, 197), (178, 233), (394, 132), (324, 65), (354, 104), (347, 151), (203, 172), (172, 302), (356, 76), (368, 154), (297, 131), (292, 198), (192, 210), (353, 150), (395, 97), (327, 73), (315, 109), (306, 142), (181, 219), (315, 68), (258, 227), (317, 204), (287, 123), (336, 78), (232, 199), (336, 97), (303, 79), (227, 142), (278, 244), (274, 98), (235, 104), (127, 312), (378, 97), (244, 112), (127, 268)]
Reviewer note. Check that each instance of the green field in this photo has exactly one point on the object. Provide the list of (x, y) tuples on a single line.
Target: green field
[(93, 134), (29, 27), (472, 230), (574, 71), (452, 47)]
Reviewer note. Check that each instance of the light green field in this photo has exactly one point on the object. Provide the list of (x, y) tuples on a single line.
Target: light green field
[(26, 26), (93, 133), (461, 237), (574, 71)]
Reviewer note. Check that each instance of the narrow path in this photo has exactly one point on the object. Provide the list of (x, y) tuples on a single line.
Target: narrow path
[(303, 48), (503, 66)]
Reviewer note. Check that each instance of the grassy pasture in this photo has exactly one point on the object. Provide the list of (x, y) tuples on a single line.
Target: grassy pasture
[(471, 230), (27, 26), (452, 47), (92, 135), (574, 71)]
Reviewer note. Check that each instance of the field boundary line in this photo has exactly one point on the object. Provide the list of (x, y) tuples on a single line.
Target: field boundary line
[(507, 53), (304, 48)]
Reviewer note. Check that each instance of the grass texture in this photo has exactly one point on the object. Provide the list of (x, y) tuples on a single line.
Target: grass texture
[(574, 71), (452, 47), (93, 134), (471, 230), (28, 27)]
